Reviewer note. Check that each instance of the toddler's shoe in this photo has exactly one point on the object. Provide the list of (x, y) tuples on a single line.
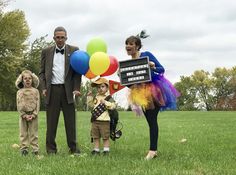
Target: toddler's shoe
[(35, 153), (24, 152), (106, 153), (95, 153)]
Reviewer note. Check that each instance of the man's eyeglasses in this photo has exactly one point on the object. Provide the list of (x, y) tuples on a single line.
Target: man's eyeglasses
[(60, 37)]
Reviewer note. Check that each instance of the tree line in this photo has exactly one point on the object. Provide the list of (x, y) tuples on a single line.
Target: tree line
[(200, 91), (208, 91)]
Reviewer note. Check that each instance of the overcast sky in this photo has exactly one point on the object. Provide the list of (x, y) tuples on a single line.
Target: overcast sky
[(185, 35)]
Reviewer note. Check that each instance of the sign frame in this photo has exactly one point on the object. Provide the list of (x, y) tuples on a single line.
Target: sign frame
[(134, 71)]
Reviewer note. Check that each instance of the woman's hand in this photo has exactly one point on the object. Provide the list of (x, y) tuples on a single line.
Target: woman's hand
[(152, 65)]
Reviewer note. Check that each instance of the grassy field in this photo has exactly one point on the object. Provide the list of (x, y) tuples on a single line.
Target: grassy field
[(210, 147)]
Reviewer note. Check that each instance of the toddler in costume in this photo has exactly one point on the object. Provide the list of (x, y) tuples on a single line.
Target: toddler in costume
[(28, 104), (100, 117)]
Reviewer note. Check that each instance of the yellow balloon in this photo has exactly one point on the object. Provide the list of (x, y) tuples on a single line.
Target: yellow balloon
[(99, 63)]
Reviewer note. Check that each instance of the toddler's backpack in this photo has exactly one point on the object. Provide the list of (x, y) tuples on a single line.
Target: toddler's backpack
[(115, 132)]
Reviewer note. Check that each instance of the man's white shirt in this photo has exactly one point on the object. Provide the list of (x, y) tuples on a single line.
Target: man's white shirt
[(58, 69)]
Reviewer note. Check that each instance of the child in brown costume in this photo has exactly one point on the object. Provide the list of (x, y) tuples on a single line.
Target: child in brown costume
[(28, 104)]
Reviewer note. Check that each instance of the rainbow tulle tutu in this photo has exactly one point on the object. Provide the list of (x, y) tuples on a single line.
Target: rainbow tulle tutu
[(159, 92)]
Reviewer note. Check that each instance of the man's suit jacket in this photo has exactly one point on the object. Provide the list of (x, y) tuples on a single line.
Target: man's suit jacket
[(72, 79)]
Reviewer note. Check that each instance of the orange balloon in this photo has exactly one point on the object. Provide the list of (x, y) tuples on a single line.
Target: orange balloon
[(89, 74)]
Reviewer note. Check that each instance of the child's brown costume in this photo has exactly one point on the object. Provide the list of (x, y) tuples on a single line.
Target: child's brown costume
[(28, 103)]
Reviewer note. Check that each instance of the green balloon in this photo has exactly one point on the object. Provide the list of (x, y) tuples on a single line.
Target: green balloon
[(96, 45)]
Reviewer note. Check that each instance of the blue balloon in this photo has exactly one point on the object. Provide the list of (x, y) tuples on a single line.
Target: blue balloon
[(79, 61)]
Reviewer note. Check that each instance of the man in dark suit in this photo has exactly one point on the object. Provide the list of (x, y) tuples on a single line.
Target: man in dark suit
[(59, 83)]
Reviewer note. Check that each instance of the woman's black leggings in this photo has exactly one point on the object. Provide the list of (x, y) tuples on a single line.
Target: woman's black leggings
[(151, 117)]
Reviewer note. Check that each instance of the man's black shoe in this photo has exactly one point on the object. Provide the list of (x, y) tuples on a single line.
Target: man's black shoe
[(75, 152), (51, 152)]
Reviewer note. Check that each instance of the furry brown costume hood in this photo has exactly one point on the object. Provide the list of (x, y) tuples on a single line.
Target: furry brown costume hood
[(19, 81)]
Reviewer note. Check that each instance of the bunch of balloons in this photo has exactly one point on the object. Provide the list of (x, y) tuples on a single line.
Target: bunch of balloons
[(95, 61)]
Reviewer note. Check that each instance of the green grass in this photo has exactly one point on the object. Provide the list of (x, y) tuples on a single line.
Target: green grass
[(210, 148)]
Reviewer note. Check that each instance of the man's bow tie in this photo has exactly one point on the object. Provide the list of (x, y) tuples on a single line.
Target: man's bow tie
[(61, 51)]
